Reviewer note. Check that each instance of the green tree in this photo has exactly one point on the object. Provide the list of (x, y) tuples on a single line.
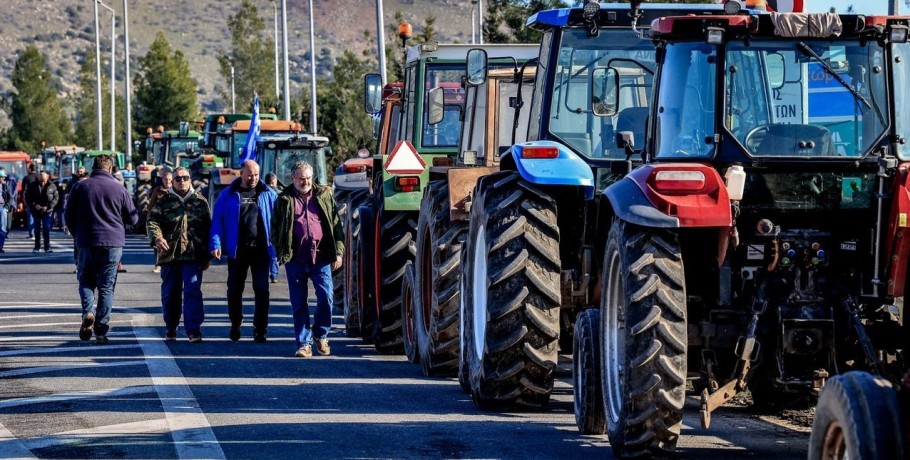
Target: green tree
[(252, 58), (164, 88), (35, 111), (394, 52), (86, 113), (504, 20)]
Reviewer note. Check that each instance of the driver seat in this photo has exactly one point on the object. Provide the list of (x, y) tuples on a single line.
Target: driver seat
[(785, 139)]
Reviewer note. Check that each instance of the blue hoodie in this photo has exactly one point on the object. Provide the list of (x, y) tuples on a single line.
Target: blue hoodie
[(226, 217)]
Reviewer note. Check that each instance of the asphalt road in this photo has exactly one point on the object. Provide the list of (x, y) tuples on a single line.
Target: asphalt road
[(141, 397)]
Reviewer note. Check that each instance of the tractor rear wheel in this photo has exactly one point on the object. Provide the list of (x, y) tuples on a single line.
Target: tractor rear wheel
[(351, 285), (366, 273), (858, 416), (589, 397), (409, 337), (643, 324), (512, 293), (393, 252), (438, 281)]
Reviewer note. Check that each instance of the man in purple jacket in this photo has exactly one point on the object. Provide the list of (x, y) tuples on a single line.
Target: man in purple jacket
[(98, 211)]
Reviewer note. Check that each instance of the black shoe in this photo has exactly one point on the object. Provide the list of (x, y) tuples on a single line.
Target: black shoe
[(195, 337), (101, 340), (85, 331), (170, 335), (234, 335), (48, 250), (259, 337), (2, 251)]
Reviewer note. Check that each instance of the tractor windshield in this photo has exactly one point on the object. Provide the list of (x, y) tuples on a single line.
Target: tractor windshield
[(282, 160), (578, 87), (782, 98), (181, 146)]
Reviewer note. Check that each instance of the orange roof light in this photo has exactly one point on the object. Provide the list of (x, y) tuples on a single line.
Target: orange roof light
[(761, 5), (405, 31)]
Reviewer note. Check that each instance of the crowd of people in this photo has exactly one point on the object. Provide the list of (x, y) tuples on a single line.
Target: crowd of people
[(251, 224)]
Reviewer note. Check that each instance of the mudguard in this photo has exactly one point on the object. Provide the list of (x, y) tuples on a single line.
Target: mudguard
[(637, 199), (566, 169)]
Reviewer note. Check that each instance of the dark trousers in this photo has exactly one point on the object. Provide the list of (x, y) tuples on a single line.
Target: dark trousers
[(256, 260), (43, 222), (181, 293), (97, 270)]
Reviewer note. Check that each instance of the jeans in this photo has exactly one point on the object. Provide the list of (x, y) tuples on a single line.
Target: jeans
[(4, 224), (97, 269), (181, 291), (257, 261), (30, 221), (321, 275), (43, 222), (273, 268)]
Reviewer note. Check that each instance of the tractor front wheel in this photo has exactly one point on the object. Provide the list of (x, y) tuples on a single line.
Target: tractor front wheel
[(588, 392)]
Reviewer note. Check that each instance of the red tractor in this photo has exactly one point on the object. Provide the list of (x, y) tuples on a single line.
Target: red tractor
[(763, 243)]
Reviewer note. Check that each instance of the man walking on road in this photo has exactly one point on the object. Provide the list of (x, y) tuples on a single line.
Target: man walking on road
[(178, 227), (159, 192), (27, 182), (309, 241), (241, 222), (98, 212), (6, 207), (42, 198)]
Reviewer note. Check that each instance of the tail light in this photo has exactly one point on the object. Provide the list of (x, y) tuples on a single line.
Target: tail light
[(443, 161), (354, 168), (679, 181), (407, 184), (539, 152)]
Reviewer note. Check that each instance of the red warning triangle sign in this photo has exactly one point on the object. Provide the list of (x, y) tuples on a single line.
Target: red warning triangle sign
[(404, 159)]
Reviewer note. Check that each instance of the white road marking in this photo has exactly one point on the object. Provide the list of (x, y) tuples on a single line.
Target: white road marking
[(190, 430), (38, 370), (11, 447), (38, 351), (76, 395), (39, 315), (97, 433), (44, 325)]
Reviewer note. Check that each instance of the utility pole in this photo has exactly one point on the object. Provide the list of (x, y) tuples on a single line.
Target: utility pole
[(277, 88), (233, 105), (480, 20), (312, 72), (98, 132), (126, 81), (284, 47), (380, 36), (113, 75)]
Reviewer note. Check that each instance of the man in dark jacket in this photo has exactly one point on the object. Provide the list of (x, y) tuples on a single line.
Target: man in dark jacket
[(97, 214), (241, 222), (27, 182), (309, 242), (178, 227), (42, 197)]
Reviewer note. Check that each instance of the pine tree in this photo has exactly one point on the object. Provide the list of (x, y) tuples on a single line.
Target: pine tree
[(504, 20), (165, 92), (35, 111), (252, 57), (86, 112)]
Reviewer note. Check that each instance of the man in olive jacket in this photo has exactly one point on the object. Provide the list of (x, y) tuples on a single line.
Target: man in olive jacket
[(178, 227), (309, 242)]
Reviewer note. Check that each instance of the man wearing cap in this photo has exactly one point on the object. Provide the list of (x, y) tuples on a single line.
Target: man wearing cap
[(6, 206)]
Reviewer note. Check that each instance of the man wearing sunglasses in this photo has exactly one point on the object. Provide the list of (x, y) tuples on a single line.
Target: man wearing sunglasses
[(178, 227)]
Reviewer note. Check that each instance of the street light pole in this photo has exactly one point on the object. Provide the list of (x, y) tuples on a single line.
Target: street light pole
[(284, 50), (98, 132), (380, 35), (312, 72), (277, 88), (480, 21), (126, 81), (233, 105), (113, 75)]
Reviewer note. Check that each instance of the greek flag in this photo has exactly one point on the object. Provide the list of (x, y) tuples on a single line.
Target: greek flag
[(249, 150)]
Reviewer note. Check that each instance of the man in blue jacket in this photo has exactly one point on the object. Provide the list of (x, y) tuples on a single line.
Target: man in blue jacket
[(241, 226), (97, 214)]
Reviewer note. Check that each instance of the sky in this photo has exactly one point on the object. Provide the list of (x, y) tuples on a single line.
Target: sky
[(859, 6)]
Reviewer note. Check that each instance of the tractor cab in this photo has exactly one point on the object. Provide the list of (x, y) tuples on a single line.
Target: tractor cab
[(278, 153)]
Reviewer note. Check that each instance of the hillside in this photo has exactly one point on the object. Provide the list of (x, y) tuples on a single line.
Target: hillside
[(64, 31)]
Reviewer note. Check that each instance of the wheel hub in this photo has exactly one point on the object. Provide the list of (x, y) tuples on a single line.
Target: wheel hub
[(479, 291), (614, 338)]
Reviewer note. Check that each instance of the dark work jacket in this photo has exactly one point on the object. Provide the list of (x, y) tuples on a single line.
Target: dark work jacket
[(41, 195), (98, 211), (332, 244)]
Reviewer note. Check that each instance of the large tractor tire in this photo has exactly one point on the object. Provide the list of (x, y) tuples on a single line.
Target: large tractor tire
[(143, 195), (352, 286), (511, 293), (588, 392), (438, 281), (366, 273), (858, 416), (409, 337), (342, 205), (643, 323), (394, 251)]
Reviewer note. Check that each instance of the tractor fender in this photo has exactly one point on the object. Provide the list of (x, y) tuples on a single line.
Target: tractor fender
[(643, 198), (567, 169)]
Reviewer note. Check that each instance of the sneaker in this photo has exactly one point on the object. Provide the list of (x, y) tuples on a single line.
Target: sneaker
[(85, 331), (170, 335), (48, 251), (101, 340), (322, 346), (157, 269), (195, 337), (259, 337), (273, 281), (35, 251), (234, 335), (305, 351)]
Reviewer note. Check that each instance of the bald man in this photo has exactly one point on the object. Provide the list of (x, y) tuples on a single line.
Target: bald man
[(241, 223)]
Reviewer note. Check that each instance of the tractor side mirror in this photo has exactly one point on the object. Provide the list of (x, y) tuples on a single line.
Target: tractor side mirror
[(605, 91), (435, 105), (476, 67), (372, 93)]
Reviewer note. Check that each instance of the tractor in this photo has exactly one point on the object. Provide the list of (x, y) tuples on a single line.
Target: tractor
[(761, 244), (530, 261)]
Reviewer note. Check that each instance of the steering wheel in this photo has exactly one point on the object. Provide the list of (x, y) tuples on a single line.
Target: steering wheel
[(750, 143)]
